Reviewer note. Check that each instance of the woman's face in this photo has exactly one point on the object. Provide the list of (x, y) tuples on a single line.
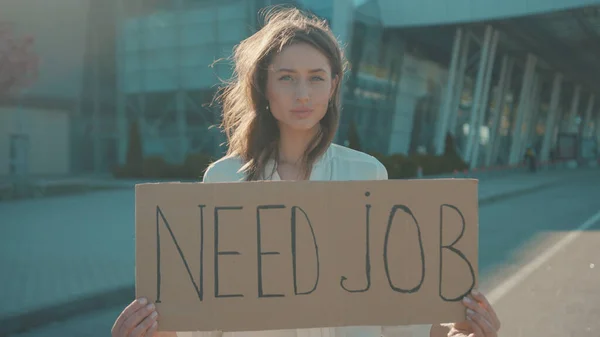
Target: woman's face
[(299, 87)]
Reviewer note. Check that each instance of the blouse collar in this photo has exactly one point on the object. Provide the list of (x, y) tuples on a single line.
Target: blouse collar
[(321, 168)]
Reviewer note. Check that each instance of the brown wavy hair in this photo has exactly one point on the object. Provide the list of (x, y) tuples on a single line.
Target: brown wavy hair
[(252, 131)]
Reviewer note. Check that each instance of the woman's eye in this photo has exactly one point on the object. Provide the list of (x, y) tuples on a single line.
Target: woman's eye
[(312, 79)]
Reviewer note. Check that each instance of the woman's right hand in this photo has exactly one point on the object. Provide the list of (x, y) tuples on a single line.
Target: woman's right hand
[(139, 319)]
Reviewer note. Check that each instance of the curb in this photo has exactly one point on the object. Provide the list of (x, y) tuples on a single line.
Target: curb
[(13, 192), (36, 318), (512, 194), (41, 188), (123, 295)]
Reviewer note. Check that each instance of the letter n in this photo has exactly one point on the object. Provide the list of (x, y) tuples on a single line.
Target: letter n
[(161, 219)]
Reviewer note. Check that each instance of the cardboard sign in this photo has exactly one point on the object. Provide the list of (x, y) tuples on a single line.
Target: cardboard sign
[(253, 256)]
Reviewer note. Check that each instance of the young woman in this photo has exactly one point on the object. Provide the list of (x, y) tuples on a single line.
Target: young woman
[(280, 113)]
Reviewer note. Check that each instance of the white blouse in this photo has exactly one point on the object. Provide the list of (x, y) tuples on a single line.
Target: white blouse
[(339, 163)]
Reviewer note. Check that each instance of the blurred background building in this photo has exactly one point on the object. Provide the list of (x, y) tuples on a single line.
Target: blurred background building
[(498, 76)]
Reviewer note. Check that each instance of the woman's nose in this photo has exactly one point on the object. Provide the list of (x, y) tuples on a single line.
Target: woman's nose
[(302, 93)]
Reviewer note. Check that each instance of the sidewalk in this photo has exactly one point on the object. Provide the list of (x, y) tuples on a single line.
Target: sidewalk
[(48, 186), (86, 262), (509, 186), (27, 187)]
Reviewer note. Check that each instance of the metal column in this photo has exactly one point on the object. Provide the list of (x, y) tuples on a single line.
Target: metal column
[(181, 120), (180, 100), (498, 109), (121, 101), (141, 115), (444, 118), (552, 117), (597, 127), (460, 83), (484, 103), (531, 114), (343, 12), (477, 96), (575, 101), (497, 140), (574, 107), (587, 121), (524, 96), (97, 122)]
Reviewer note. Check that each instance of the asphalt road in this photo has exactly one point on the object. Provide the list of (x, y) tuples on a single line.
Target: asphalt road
[(542, 275)]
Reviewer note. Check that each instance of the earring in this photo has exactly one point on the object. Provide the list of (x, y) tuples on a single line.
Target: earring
[(267, 107)]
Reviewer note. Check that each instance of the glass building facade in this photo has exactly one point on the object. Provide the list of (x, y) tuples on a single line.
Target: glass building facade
[(108, 63), (392, 92), (173, 55)]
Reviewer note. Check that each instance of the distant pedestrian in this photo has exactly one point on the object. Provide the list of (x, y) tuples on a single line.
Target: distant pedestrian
[(531, 158)]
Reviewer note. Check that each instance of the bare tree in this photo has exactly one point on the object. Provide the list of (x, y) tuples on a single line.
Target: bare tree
[(18, 61)]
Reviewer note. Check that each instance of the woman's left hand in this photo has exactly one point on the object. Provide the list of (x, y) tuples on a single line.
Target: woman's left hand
[(482, 320)]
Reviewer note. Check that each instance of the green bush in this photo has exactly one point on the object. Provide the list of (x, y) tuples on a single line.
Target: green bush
[(122, 172), (135, 154), (134, 161), (455, 163), (195, 164), (430, 164), (156, 167), (400, 166), (353, 137)]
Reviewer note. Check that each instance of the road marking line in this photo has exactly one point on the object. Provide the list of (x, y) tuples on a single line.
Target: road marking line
[(501, 290)]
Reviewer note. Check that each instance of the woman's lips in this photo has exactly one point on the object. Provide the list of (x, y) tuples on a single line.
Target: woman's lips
[(301, 112)]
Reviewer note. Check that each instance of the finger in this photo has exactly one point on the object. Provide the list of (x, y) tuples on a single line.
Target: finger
[(141, 329), (134, 306), (470, 303), (474, 327), (487, 306), (134, 320), (152, 329), (484, 325)]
